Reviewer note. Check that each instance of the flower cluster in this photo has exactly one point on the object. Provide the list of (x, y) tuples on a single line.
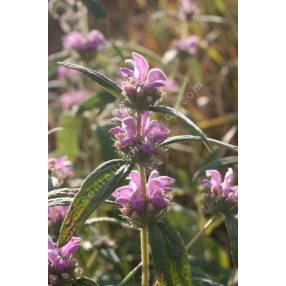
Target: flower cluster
[(142, 87), (61, 264), (137, 207), (151, 132), (73, 98), (223, 195), (77, 41), (187, 45), (60, 167)]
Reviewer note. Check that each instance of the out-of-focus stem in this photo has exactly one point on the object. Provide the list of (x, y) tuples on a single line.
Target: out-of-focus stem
[(201, 232)]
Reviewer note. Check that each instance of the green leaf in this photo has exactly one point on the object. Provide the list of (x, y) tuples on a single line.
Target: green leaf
[(84, 281), (231, 224), (169, 256), (182, 138), (181, 116), (65, 201), (64, 192), (216, 163), (68, 138), (97, 186), (108, 84)]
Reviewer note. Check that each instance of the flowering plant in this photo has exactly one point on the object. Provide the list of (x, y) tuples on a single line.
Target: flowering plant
[(144, 185)]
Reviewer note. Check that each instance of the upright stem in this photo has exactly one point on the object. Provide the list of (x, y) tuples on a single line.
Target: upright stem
[(144, 230)]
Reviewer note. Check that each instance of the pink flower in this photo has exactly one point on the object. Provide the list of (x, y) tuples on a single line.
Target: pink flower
[(157, 189), (141, 77), (188, 7), (57, 214), (66, 72), (75, 40), (222, 189), (151, 132), (60, 263), (72, 98), (61, 167), (187, 45)]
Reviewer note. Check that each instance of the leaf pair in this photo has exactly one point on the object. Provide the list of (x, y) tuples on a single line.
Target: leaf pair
[(97, 187), (169, 256)]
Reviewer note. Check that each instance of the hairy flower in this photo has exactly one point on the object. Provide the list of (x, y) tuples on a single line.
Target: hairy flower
[(223, 195), (75, 40), (68, 100), (187, 45), (151, 132), (142, 86), (61, 167), (131, 199), (61, 264), (56, 214)]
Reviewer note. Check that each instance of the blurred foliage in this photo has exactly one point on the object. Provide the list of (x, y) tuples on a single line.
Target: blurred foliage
[(209, 78)]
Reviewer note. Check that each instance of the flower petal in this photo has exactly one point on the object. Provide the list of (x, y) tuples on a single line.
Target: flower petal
[(215, 178), (227, 182), (135, 180), (141, 66), (71, 247), (156, 74), (125, 72)]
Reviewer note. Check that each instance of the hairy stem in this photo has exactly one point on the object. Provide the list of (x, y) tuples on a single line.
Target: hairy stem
[(144, 230)]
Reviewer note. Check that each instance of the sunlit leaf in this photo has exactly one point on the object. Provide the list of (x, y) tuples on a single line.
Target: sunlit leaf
[(183, 138), (181, 116), (108, 84), (64, 201), (215, 164), (169, 256), (97, 186)]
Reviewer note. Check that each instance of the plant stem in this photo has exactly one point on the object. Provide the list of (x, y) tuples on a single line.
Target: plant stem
[(144, 256), (201, 232), (144, 230)]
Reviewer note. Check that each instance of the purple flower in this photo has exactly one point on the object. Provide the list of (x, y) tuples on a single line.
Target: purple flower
[(66, 72), (222, 189), (141, 77), (151, 132), (188, 7), (187, 45), (75, 40), (61, 167), (60, 262), (57, 214), (73, 98), (157, 191)]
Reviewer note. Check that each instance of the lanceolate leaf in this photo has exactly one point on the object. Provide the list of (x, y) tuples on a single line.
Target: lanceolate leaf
[(95, 189), (84, 281), (108, 84), (65, 201), (216, 163), (231, 224), (183, 138), (169, 256), (59, 193), (181, 116)]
